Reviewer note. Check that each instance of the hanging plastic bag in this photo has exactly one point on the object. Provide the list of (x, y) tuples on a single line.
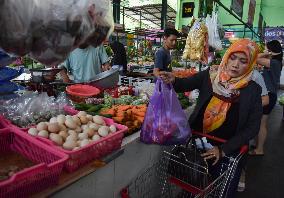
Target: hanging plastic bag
[(213, 32), (7, 74), (281, 99), (196, 47), (165, 122), (49, 30)]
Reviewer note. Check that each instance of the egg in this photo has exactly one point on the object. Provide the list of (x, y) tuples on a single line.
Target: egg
[(62, 127), (78, 129), (53, 120), (81, 113), (70, 145), (57, 139), (72, 138), (84, 142), (41, 126), (84, 126), (33, 131), (96, 138), (53, 127), (43, 133), (83, 136), (70, 123), (61, 119), (71, 132), (89, 117), (83, 119), (89, 131), (98, 120), (94, 126), (63, 134), (103, 131), (77, 120), (112, 128), (76, 148)]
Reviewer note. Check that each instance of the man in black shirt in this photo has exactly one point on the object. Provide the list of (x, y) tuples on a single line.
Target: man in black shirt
[(119, 59)]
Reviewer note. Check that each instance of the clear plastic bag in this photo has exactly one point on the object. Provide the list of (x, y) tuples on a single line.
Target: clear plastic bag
[(196, 47), (32, 108), (49, 30), (213, 32), (281, 99)]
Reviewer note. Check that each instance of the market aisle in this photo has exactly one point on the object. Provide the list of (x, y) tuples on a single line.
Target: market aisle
[(265, 175)]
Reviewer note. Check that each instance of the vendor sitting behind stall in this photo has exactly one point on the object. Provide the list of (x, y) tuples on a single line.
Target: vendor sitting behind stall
[(162, 57), (84, 63)]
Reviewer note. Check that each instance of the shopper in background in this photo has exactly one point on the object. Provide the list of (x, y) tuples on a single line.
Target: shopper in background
[(271, 60), (119, 58), (162, 57), (84, 63), (229, 103)]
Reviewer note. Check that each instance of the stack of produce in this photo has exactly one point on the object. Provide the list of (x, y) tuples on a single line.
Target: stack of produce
[(131, 116), (184, 73), (73, 132)]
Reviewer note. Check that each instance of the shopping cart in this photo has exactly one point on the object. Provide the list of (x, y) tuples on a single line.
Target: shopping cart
[(182, 173)]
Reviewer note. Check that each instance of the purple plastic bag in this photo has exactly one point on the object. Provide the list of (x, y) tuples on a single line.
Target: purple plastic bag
[(165, 122)]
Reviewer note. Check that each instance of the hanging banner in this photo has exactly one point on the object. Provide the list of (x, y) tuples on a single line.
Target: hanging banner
[(274, 33), (187, 9), (237, 7), (251, 12)]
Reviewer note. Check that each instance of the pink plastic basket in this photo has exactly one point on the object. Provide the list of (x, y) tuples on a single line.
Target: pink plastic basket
[(93, 151), (4, 123), (46, 172)]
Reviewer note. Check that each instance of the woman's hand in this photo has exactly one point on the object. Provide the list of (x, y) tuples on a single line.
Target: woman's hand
[(167, 77), (215, 152)]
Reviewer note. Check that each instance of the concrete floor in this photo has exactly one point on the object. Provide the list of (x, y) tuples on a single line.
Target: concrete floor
[(265, 175)]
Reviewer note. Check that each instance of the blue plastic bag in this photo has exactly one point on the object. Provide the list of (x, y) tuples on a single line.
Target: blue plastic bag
[(7, 74), (165, 122), (9, 87)]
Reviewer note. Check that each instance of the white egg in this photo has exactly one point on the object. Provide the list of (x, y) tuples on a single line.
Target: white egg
[(61, 119), (41, 126), (72, 138), (33, 131), (70, 123), (112, 128), (77, 120), (89, 117), (83, 136), (94, 126), (84, 142), (53, 120), (57, 139), (84, 126), (98, 120), (53, 127), (43, 133), (81, 113), (69, 145), (89, 131), (96, 138), (78, 129), (103, 131)]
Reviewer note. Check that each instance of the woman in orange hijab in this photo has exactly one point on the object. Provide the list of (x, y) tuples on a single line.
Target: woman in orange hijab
[(229, 104)]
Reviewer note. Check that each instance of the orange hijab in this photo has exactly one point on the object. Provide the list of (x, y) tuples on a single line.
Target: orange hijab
[(225, 86)]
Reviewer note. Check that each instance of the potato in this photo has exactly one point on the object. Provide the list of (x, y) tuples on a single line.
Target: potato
[(41, 126), (33, 131), (53, 127)]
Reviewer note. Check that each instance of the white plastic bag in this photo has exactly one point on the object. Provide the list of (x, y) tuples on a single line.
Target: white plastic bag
[(213, 34), (49, 30)]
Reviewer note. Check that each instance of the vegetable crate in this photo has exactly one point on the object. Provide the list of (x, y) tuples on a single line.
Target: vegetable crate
[(49, 164), (93, 151)]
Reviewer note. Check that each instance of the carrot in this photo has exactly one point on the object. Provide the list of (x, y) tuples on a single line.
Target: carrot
[(139, 118), (108, 111), (139, 113), (123, 107), (118, 119)]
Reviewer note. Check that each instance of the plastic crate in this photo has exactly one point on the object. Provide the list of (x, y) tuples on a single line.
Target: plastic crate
[(4, 123), (46, 172), (92, 151)]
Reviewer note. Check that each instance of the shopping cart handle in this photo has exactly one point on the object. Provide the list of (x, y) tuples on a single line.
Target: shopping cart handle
[(209, 136), (243, 149)]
